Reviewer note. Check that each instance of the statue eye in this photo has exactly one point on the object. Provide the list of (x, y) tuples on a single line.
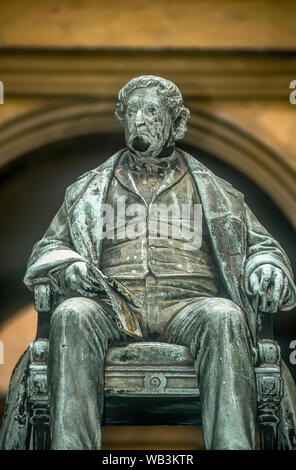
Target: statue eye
[(131, 112), (151, 110)]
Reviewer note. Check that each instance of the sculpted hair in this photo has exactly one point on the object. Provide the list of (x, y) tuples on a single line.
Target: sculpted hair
[(169, 92)]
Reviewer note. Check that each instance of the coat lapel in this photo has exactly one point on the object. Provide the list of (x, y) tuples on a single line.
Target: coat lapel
[(222, 211), (84, 220)]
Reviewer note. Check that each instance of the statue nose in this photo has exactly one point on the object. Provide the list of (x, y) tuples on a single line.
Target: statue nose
[(139, 118)]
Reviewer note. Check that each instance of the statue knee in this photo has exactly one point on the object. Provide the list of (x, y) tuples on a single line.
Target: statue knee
[(75, 309), (225, 312)]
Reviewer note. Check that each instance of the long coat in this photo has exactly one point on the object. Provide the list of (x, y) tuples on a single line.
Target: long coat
[(240, 244)]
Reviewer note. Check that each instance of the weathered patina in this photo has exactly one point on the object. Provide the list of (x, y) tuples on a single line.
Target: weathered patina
[(203, 292)]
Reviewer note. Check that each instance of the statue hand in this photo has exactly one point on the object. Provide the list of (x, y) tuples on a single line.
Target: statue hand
[(271, 284), (77, 279)]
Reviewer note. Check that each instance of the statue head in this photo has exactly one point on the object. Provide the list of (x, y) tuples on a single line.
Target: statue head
[(153, 115)]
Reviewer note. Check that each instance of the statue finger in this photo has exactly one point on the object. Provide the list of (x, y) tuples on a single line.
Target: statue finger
[(79, 269), (87, 286), (96, 285), (72, 280), (269, 294), (263, 302), (266, 273), (78, 284), (284, 291), (278, 282), (254, 282), (273, 307), (82, 292)]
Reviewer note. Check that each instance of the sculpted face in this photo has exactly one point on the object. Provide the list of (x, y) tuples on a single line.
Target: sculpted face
[(147, 123)]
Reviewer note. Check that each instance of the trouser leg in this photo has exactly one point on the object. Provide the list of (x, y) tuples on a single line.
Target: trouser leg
[(218, 336), (80, 332)]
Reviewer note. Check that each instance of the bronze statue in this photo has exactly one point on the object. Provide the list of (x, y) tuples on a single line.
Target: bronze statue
[(152, 245)]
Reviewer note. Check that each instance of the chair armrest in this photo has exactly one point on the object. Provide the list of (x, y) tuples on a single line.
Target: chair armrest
[(43, 305), (42, 297)]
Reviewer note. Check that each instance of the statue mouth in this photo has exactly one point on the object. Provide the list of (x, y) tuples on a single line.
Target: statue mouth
[(140, 143)]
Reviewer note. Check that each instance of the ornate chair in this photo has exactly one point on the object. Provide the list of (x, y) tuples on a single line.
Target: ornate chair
[(159, 374)]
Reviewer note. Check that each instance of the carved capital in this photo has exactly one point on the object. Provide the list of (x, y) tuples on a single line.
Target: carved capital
[(269, 352), (37, 380)]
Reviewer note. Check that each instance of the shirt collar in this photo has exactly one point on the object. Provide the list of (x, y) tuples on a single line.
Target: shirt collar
[(159, 166), (171, 169)]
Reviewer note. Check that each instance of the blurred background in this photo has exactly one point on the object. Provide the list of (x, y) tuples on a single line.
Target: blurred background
[(62, 64)]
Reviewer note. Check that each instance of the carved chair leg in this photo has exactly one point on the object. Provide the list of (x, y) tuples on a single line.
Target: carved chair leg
[(39, 433), (269, 392), (39, 436), (267, 437)]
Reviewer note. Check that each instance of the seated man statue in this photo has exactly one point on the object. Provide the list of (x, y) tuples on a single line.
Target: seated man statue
[(152, 246)]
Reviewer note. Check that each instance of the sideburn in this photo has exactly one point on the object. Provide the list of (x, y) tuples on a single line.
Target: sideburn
[(168, 147)]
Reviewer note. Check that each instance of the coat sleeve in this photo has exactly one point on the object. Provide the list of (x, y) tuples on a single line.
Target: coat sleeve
[(262, 248), (53, 253)]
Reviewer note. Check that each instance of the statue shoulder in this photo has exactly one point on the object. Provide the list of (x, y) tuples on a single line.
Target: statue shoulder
[(77, 188), (226, 186), (198, 167)]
